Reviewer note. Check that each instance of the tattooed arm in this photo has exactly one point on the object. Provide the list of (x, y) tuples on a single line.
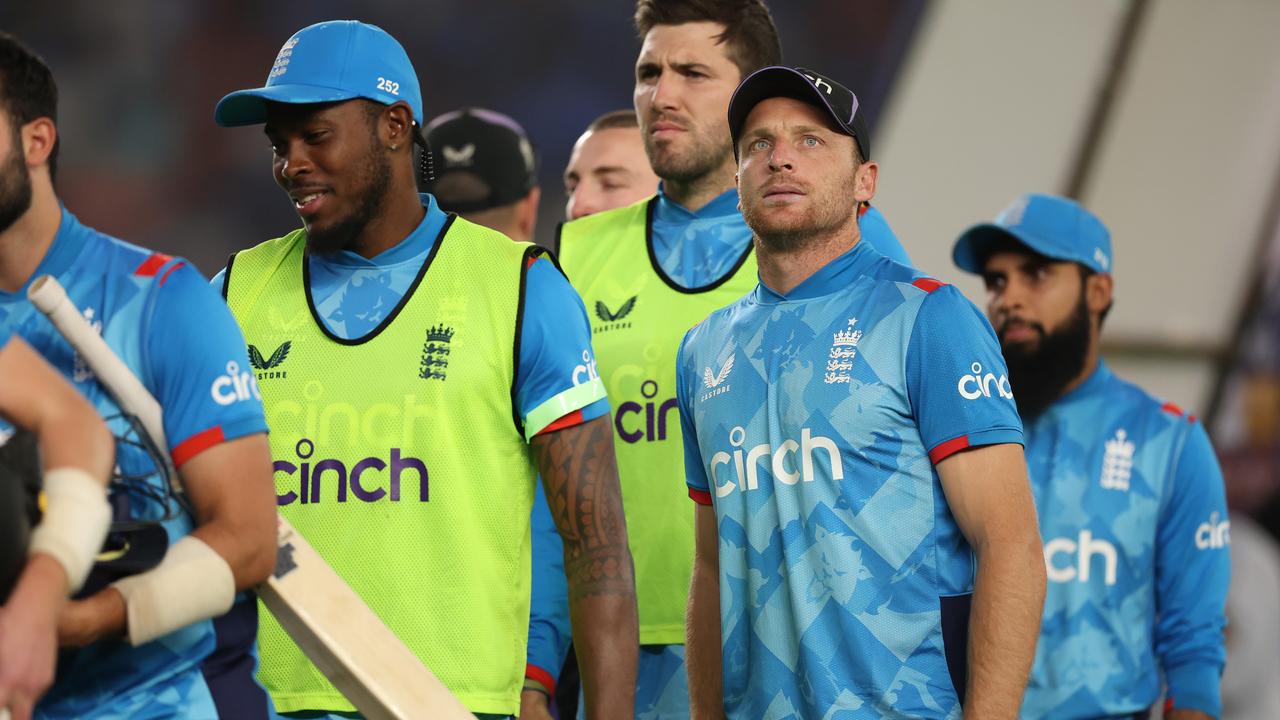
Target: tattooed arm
[(580, 474)]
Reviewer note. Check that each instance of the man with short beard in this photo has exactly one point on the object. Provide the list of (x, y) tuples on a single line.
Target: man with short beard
[(844, 487), (120, 656), (1130, 497), (650, 270), (418, 371)]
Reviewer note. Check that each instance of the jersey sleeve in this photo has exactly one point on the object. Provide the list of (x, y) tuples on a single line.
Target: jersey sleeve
[(956, 377), (557, 384), (197, 367), (549, 629), (1193, 570), (695, 477)]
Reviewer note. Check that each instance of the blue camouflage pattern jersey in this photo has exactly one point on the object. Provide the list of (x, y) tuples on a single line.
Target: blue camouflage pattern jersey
[(173, 331), (1134, 518), (812, 423)]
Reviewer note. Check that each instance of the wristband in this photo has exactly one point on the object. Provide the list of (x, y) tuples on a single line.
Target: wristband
[(192, 583), (75, 522)]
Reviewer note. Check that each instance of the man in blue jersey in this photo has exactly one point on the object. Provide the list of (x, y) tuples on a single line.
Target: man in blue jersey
[(343, 112), (138, 643), (672, 259), (486, 172), (847, 481), (1132, 508)]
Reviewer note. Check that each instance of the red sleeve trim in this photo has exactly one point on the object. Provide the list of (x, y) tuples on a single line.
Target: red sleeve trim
[(169, 272), (928, 284), (1171, 408), (546, 679), (152, 265), (573, 418), (702, 497), (196, 444), (948, 448)]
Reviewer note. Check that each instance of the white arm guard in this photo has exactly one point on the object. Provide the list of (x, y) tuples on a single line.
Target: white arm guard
[(192, 583), (75, 522)]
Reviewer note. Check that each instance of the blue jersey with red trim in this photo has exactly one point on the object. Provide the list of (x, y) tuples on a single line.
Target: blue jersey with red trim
[(812, 423), (161, 318), (1133, 513)]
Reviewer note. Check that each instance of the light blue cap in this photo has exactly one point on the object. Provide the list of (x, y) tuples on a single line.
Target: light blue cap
[(328, 62), (1056, 227)]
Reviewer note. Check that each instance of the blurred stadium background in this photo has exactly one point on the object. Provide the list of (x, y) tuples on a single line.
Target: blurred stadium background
[(1160, 115)]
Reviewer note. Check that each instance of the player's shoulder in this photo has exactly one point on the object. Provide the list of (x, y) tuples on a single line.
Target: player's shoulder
[(114, 256), (1142, 407), (712, 328)]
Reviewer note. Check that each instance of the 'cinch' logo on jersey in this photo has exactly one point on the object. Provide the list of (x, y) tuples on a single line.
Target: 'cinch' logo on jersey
[(311, 477), (1213, 535), (655, 416), (234, 387), (978, 385), (1084, 549), (780, 462), (613, 319)]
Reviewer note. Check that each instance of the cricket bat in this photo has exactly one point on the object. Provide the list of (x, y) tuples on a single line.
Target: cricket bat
[(339, 633)]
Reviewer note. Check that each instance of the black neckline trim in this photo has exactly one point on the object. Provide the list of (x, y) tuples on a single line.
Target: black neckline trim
[(226, 275), (657, 267), (533, 252), (404, 300)]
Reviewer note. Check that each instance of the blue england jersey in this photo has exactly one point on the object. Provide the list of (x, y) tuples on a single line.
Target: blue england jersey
[(1134, 518), (812, 423), (161, 318)]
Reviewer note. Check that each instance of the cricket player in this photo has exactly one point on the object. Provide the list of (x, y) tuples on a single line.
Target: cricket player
[(137, 643), (1132, 507), (608, 167), (41, 568), (419, 371), (651, 270), (486, 172), (847, 480)]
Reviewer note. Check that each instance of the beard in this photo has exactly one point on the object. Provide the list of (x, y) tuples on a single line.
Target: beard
[(15, 186), (1039, 373), (704, 156), (343, 234), (828, 212)]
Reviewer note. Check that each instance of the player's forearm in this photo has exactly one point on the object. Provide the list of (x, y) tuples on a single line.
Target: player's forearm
[(606, 640), (702, 644), (580, 474), (1008, 600), (232, 491)]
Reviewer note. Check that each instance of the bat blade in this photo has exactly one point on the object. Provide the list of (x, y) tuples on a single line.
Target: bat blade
[(347, 641), (338, 632)]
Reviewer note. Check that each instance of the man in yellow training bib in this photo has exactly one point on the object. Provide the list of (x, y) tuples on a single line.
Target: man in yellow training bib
[(418, 370)]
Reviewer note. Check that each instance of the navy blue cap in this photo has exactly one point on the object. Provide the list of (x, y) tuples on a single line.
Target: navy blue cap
[(804, 85), (328, 62), (1056, 227)]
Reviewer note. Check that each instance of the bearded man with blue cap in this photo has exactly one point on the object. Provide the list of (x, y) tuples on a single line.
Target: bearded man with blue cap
[(418, 371), (1131, 503)]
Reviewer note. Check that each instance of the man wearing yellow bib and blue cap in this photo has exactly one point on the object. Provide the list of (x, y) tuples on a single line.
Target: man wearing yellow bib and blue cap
[(418, 371)]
